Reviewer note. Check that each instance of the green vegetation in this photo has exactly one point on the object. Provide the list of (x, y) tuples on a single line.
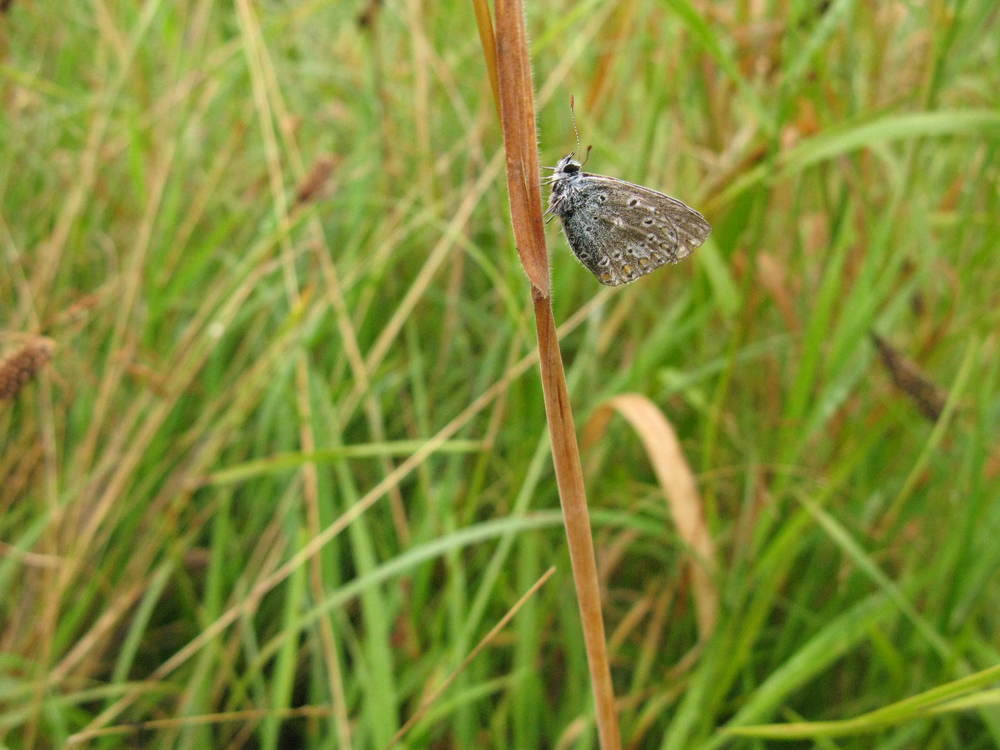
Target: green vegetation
[(288, 462)]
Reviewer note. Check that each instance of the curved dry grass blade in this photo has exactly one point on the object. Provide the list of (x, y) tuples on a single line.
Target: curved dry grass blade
[(484, 23), (675, 477)]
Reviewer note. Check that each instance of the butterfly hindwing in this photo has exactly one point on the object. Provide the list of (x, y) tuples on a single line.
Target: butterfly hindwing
[(621, 231)]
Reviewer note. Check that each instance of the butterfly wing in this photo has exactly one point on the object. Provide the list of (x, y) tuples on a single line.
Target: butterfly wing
[(621, 231)]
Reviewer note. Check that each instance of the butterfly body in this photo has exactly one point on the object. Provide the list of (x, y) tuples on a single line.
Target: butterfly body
[(620, 231)]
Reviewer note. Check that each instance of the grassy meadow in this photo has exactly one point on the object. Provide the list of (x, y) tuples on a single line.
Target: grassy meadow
[(274, 463)]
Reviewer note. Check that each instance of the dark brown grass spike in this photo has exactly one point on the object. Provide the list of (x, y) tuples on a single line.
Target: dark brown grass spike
[(20, 367), (911, 380)]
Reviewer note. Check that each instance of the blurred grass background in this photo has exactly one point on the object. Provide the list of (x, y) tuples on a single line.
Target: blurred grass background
[(270, 242)]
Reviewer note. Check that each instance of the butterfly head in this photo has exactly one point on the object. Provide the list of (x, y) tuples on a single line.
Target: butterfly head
[(567, 169), (568, 165)]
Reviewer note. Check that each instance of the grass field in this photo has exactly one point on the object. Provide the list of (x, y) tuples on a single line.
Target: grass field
[(288, 464)]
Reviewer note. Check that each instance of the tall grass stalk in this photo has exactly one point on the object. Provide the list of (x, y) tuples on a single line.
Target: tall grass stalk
[(517, 119)]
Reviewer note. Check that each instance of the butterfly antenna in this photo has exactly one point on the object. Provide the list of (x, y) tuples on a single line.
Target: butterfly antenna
[(572, 116)]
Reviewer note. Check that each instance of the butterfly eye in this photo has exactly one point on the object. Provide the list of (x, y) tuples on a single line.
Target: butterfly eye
[(571, 168)]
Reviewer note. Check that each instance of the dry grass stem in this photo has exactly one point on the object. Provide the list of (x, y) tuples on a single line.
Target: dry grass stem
[(517, 111), (517, 116)]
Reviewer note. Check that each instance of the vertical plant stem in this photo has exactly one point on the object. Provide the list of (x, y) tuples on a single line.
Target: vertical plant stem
[(517, 118), (576, 518)]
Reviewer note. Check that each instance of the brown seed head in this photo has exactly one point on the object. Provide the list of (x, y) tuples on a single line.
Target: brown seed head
[(21, 366)]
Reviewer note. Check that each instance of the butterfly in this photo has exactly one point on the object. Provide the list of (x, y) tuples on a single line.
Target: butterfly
[(618, 230)]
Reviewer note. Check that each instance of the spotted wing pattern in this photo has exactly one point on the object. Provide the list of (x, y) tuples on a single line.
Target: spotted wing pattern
[(621, 231)]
